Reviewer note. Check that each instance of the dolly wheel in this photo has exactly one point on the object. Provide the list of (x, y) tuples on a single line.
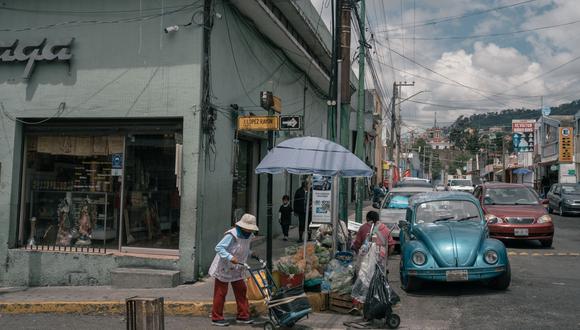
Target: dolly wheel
[(393, 321), (269, 326)]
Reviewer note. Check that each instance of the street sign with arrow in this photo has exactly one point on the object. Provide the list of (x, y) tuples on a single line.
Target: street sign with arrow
[(290, 123)]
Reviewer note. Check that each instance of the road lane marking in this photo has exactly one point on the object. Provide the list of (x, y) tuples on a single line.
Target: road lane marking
[(545, 254)]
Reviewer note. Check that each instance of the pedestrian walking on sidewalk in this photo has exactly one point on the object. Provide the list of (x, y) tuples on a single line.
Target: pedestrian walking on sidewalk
[(300, 205), (232, 253), (285, 215)]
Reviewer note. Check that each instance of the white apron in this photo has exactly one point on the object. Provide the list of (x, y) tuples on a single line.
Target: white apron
[(223, 269)]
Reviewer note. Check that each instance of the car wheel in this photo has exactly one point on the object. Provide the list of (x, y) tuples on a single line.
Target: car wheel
[(547, 243), (502, 282), (409, 283)]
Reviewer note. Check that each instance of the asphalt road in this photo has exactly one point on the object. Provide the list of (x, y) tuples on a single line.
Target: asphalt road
[(544, 294)]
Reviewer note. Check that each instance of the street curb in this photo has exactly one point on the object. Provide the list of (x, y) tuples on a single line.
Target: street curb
[(171, 308)]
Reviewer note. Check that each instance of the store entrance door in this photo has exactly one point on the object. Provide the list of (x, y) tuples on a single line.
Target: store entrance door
[(152, 196), (244, 184)]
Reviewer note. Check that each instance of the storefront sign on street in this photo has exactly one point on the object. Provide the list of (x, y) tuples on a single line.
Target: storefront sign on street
[(43, 51), (258, 123), (566, 145), (321, 199)]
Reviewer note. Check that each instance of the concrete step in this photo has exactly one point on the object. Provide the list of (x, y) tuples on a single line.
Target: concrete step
[(144, 278)]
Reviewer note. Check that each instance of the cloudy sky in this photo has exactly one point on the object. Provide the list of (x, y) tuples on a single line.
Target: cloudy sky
[(470, 56)]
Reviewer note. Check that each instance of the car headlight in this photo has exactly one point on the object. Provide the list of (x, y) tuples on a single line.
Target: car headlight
[(490, 257), (492, 219), (419, 258), (568, 201), (544, 219)]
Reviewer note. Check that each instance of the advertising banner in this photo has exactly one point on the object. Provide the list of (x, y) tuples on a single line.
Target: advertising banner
[(321, 199), (566, 145), (523, 134)]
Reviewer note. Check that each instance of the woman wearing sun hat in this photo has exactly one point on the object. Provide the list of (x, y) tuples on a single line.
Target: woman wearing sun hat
[(228, 267)]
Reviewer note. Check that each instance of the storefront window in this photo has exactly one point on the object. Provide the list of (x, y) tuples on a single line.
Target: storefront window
[(242, 180), (101, 191), (151, 216), (72, 196)]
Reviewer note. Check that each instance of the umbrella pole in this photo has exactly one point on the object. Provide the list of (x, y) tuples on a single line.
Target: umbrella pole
[(307, 225), (334, 214)]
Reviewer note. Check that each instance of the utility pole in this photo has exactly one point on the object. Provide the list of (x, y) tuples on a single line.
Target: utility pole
[(395, 143), (361, 106), (345, 9)]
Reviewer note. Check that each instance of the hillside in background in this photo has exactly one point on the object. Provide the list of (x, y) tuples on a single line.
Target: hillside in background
[(504, 118)]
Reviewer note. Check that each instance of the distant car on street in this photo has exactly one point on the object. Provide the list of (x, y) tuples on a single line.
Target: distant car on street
[(515, 212), (394, 207), (444, 238), (564, 198), (465, 185)]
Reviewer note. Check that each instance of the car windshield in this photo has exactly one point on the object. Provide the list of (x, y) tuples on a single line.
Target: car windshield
[(440, 211), (573, 190), (510, 196), (460, 183), (398, 200)]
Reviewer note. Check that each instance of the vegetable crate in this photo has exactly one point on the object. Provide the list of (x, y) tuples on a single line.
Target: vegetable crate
[(340, 303)]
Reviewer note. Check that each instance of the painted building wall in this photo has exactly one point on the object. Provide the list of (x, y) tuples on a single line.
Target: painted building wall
[(243, 63), (123, 66)]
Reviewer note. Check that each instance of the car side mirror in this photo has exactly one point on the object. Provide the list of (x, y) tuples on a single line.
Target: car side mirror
[(376, 205), (448, 184), (545, 201)]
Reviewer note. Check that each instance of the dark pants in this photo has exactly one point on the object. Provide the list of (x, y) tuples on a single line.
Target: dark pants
[(285, 228), (302, 224)]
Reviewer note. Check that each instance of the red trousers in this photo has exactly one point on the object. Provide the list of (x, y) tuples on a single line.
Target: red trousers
[(220, 290)]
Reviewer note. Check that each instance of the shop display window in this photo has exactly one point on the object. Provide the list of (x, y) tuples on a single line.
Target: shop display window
[(101, 191)]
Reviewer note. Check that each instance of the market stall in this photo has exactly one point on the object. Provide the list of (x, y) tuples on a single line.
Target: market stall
[(316, 156)]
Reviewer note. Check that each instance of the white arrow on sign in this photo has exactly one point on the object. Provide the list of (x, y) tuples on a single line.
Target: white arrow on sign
[(292, 122)]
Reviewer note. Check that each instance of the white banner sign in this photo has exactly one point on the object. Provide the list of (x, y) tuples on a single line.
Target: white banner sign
[(321, 199)]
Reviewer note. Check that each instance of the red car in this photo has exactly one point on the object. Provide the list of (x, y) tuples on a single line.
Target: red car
[(515, 212)]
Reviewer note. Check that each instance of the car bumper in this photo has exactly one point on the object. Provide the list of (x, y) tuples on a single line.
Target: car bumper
[(571, 208), (543, 231), (442, 274)]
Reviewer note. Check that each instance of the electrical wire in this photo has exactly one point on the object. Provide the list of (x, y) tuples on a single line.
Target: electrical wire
[(458, 17), (58, 113), (491, 35), (83, 12), (96, 22)]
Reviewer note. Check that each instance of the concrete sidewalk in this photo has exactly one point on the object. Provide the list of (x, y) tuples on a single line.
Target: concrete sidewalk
[(192, 300)]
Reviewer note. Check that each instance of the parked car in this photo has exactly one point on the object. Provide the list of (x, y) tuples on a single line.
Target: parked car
[(444, 238), (515, 212), (564, 198), (394, 207)]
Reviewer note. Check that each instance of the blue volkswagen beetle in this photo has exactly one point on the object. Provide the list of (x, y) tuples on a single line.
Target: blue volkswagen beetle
[(445, 238)]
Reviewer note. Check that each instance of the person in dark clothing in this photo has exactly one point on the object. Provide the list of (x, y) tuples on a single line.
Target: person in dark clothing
[(300, 210), (285, 215)]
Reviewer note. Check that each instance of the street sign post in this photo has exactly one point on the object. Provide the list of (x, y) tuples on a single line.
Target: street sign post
[(258, 123), (290, 123)]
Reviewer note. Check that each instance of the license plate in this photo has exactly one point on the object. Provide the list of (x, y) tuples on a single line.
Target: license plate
[(521, 232), (456, 275)]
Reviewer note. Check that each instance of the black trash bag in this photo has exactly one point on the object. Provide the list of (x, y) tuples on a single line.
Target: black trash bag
[(380, 297)]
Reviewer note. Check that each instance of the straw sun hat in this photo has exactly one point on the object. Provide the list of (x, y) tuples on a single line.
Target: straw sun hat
[(248, 222)]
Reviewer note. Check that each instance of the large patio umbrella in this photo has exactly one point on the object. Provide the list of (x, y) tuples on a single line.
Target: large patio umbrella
[(312, 155)]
